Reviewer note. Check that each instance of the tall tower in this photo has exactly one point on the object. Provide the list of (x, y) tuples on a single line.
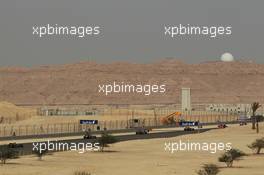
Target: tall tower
[(186, 99)]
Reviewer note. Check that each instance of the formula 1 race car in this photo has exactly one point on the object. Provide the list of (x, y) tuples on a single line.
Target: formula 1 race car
[(243, 120), (142, 131), (188, 128), (242, 123), (88, 135), (15, 145), (222, 125)]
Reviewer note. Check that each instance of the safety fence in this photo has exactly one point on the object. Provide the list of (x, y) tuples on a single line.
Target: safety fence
[(64, 128)]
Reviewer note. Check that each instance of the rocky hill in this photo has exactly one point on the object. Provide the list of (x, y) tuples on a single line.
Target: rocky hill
[(212, 82)]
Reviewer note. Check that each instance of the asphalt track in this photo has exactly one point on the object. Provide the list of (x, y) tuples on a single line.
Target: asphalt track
[(57, 135), (28, 147)]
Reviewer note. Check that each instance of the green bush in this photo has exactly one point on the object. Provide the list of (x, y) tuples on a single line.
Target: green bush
[(105, 140), (8, 153), (257, 145), (230, 156), (209, 169), (40, 154)]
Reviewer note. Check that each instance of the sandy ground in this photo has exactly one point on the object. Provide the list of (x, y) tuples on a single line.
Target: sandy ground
[(9, 113), (73, 119), (146, 157), (15, 115), (33, 120)]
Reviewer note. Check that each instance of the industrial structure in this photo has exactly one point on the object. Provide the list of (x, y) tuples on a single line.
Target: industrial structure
[(186, 99)]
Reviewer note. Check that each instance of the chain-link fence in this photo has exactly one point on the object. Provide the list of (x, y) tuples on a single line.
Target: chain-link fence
[(64, 128)]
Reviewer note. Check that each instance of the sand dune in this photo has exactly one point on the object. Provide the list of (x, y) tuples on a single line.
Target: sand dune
[(10, 113)]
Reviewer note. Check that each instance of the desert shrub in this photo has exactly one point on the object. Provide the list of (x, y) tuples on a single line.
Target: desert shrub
[(260, 118), (81, 173), (105, 140), (257, 145), (40, 154), (209, 169), (230, 156), (8, 153)]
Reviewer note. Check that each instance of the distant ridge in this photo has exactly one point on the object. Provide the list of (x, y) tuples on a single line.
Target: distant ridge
[(211, 82)]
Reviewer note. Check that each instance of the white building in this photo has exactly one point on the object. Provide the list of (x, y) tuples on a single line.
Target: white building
[(231, 108), (186, 99)]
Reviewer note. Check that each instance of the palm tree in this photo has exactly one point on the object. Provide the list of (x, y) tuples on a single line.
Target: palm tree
[(255, 106)]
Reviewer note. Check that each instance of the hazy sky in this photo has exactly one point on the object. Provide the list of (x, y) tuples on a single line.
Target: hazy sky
[(131, 30)]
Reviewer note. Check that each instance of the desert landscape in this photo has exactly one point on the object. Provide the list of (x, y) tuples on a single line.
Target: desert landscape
[(115, 87), (211, 82), (50, 101), (146, 157)]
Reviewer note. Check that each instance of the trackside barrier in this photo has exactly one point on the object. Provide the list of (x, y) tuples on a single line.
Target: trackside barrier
[(71, 128)]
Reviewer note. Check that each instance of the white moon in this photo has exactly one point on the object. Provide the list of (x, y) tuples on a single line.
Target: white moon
[(227, 57)]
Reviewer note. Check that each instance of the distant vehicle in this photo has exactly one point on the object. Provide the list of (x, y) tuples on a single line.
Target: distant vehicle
[(15, 145), (242, 123), (188, 128), (200, 125), (142, 131), (88, 135), (222, 125), (243, 120)]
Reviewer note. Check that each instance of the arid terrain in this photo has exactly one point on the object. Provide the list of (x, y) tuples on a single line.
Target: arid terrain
[(213, 82), (146, 157), (10, 113)]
